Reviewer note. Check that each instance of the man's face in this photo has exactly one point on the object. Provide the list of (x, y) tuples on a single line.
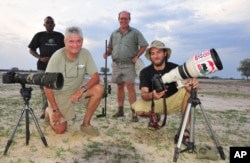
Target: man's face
[(157, 56), (124, 19), (49, 24), (73, 44)]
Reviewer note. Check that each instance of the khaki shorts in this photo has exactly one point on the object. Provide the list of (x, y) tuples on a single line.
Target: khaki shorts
[(66, 107), (123, 72), (174, 103)]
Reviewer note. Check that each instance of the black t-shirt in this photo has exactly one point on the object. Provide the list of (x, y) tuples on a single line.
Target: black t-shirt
[(148, 72), (47, 43)]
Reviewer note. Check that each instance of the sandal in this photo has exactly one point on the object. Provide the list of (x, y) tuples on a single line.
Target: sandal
[(153, 123), (185, 139)]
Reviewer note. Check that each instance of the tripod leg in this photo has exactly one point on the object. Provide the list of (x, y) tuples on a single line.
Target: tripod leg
[(38, 127), (216, 141), (190, 146), (184, 123), (13, 134), (27, 125)]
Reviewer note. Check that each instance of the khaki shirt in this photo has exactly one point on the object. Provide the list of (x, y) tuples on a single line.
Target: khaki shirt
[(73, 71)]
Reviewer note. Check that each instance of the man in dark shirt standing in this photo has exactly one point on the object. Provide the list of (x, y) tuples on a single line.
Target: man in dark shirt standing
[(47, 42)]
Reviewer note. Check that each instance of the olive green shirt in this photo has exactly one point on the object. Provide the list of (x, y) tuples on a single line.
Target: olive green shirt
[(125, 46)]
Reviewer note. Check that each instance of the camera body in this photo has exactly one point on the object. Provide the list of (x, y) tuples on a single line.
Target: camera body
[(158, 84), (12, 76)]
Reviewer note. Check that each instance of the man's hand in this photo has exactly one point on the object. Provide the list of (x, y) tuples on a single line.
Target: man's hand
[(189, 83), (57, 117), (44, 59), (105, 55), (159, 94), (76, 96), (135, 58)]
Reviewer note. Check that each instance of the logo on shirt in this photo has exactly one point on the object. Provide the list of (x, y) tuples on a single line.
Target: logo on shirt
[(51, 42), (80, 66)]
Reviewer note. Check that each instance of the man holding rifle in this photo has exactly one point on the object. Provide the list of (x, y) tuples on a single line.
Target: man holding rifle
[(126, 45)]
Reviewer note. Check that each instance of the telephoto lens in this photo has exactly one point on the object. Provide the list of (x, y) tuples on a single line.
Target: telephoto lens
[(200, 65), (50, 80)]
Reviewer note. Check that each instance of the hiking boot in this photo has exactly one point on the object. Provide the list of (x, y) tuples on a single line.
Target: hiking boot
[(89, 130), (119, 113)]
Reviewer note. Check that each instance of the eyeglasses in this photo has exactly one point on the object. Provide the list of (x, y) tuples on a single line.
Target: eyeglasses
[(126, 19)]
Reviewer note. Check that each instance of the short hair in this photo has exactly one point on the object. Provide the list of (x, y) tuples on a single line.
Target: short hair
[(73, 30), (124, 12), (49, 17)]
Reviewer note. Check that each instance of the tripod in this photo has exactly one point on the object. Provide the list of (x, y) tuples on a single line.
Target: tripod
[(26, 93), (192, 102)]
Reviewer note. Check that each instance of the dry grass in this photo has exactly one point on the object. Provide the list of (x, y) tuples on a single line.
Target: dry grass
[(226, 105)]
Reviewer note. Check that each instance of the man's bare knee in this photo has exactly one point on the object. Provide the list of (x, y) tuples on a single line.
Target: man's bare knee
[(60, 129)]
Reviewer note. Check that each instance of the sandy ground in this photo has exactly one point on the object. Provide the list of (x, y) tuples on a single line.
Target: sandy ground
[(226, 103)]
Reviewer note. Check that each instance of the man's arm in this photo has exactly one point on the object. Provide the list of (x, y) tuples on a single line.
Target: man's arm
[(51, 98), (43, 59), (34, 53), (95, 79), (107, 53), (141, 50), (145, 94), (139, 53)]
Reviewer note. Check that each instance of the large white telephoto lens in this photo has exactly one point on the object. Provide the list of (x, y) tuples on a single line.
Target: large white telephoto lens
[(200, 65)]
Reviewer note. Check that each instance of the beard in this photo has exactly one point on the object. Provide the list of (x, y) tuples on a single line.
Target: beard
[(160, 63)]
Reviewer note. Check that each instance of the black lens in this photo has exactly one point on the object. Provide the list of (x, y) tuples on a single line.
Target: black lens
[(184, 72)]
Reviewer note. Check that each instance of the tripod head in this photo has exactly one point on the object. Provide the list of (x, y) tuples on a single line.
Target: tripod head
[(26, 93), (193, 91)]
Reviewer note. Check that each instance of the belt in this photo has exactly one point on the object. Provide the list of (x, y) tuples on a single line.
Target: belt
[(122, 62)]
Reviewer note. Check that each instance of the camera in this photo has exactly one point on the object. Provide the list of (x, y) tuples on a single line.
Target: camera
[(50, 80), (157, 83), (200, 65)]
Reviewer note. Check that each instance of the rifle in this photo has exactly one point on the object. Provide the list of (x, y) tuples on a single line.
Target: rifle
[(107, 88)]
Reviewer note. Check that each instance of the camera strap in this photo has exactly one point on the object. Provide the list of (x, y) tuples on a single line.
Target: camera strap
[(154, 121)]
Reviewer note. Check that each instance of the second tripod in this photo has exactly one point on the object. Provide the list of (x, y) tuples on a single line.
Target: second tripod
[(192, 102), (26, 94)]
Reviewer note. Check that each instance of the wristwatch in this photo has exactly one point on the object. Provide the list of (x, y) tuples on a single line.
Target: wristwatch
[(84, 88)]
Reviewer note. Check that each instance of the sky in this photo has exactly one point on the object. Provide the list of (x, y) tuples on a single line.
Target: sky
[(188, 27)]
